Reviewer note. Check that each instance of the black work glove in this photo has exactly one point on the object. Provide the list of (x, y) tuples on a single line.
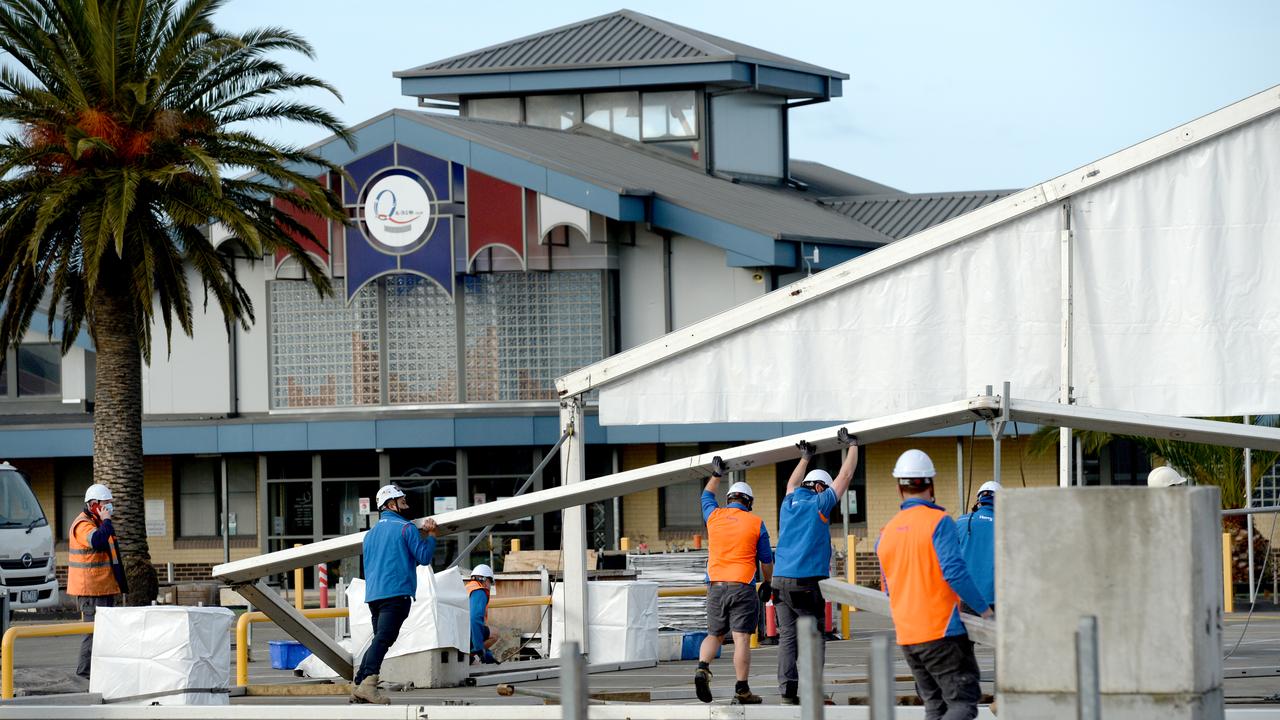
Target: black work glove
[(718, 467), (807, 450), (766, 592), (844, 438)]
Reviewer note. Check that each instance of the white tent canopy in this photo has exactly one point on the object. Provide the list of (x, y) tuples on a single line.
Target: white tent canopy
[(1174, 245)]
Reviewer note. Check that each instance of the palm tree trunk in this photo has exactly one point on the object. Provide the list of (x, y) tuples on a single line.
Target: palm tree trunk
[(117, 432)]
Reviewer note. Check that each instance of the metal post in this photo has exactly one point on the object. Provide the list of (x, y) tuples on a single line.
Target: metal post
[(996, 426), (1064, 390), (617, 504), (1088, 693), (4, 611), (340, 623), (573, 682), (544, 589), (883, 696), (810, 666), (573, 470), (960, 473), (1248, 520), (226, 515), (1079, 462)]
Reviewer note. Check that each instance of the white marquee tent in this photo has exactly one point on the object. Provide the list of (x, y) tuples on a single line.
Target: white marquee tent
[(1173, 288)]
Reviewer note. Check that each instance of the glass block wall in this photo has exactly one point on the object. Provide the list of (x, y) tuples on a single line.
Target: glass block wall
[(324, 353), (422, 342), (523, 330)]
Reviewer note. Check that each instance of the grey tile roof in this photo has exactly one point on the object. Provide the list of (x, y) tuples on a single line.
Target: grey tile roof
[(824, 180), (903, 214), (617, 39), (635, 170)]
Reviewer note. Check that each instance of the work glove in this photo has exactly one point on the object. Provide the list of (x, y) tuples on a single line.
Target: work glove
[(807, 450), (766, 592), (718, 467), (844, 438)]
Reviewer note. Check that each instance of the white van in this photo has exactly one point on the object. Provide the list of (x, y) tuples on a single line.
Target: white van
[(26, 545)]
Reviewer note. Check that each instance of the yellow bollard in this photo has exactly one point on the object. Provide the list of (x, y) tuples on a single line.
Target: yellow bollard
[(1228, 596), (755, 641), (851, 576), (298, 583), (624, 544), (515, 544)]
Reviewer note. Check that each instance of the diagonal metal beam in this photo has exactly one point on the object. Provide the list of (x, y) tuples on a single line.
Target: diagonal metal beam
[(688, 469), (1166, 427), (298, 627)]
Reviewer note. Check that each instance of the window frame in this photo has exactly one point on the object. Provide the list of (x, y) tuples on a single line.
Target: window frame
[(177, 532)]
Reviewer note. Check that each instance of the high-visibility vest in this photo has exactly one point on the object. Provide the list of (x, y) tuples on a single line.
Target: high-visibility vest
[(89, 571), (732, 537), (920, 598), (474, 585)]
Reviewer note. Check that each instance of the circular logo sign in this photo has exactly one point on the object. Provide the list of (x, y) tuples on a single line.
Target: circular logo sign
[(397, 211), (27, 560)]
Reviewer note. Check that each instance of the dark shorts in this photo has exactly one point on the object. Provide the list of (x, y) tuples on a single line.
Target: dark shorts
[(732, 606)]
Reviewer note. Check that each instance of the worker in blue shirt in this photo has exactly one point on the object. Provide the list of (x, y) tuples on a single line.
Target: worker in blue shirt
[(977, 532), (482, 638), (393, 550), (804, 554)]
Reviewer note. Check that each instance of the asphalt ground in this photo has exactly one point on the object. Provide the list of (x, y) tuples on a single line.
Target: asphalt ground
[(47, 663)]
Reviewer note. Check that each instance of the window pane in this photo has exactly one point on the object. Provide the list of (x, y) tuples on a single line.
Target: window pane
[(558, 112), (523, 330), (422, 343), (682, 506), (503, 109), (618, 112), (324, 353), (39, 370), (670, 115), (242, 494), (199, 481)]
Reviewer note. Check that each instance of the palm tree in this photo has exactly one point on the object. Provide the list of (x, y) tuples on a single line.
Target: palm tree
[(123, 118)]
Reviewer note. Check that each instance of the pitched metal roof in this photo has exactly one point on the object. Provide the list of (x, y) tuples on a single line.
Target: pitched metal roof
[(826, 181), (903, 214), (635, 170), (618, 39)]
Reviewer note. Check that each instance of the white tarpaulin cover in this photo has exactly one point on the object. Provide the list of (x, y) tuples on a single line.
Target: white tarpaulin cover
[(1175, 297), (439, 617), (623, 626), (140, 650)]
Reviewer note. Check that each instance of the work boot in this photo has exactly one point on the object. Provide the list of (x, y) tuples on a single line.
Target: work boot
[(702, 684), (746, 697), (367, 691), (790, 700)]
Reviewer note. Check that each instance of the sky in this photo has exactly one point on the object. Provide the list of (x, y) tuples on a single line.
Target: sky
[(942, 96)]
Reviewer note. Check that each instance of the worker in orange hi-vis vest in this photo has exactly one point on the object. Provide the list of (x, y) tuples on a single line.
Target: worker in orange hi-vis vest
[(737, 542), (95, 574), (482, 638), (924, 573)]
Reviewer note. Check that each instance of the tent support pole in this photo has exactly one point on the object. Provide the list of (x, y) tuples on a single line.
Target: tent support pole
[(1248, 520), (1065, 450), (573, 470), (996, 426)]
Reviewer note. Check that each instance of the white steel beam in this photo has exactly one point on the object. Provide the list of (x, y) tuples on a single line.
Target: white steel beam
[(298, 627), (690, 469), (923, 243), (980, 631), (573, 526), (1166, 427)]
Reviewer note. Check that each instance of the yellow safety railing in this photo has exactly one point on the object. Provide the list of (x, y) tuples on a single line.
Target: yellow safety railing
[(700, 591), (519, 601), (242, 635), (31, 631)]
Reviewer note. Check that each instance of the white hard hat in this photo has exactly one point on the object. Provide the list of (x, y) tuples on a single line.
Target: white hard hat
[(97, 491), (1165, 476), (913, 465), (817, 476), (483, 571), (990, 486), (388, 492), (741, 488)]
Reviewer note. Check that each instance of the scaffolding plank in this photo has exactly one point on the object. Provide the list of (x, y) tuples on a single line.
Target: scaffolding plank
[(690, 469), (298, 627)]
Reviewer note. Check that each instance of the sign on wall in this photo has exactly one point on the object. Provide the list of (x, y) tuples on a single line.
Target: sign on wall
[(153, 515)]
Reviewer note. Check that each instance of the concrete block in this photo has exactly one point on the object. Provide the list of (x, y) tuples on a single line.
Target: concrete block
[(1147, 563), (439, 668)]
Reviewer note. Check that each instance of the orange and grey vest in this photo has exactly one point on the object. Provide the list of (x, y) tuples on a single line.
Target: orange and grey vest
[(474, 585), (89, 571), (732, 538), (920, 598)]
